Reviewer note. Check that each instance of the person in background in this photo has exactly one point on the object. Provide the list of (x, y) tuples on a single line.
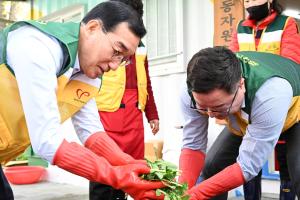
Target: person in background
[(257, 93), (58, 79), (267, 30), (125, 93)]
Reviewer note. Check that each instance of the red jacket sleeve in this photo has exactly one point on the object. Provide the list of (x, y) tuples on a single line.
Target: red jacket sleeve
[(234, 44), (290, 42), (150, 109)]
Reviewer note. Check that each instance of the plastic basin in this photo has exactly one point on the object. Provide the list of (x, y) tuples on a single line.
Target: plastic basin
[(24, 174)]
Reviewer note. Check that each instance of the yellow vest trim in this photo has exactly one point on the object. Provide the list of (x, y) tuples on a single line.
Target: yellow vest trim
[(14, 137), (113, 86), (292, 118), (141, 81)]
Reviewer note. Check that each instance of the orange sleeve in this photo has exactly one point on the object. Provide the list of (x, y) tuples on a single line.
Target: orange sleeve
[(150, 109), (290, 42)]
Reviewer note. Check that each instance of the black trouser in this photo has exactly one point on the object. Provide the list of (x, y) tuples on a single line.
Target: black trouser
[(287, 191), (293, 156), (5, 189), (252, 189), (100, 191), (225, 150)]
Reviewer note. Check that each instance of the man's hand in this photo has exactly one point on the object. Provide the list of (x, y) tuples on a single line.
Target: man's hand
[(227, 179), (131, 183), (83, 162), (190, 163)]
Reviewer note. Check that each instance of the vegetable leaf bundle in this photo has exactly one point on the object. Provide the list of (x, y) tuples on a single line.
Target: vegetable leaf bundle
[(166, 172)]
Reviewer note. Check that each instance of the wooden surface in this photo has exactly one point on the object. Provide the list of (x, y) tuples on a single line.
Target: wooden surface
[(227, 13)]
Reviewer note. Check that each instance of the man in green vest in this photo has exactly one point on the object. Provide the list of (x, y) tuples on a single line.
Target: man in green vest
[(258, 94), (50, 72)]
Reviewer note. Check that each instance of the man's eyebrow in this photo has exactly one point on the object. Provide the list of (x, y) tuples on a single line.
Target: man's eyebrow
[(218, 106), (221, 105), (122, 45)]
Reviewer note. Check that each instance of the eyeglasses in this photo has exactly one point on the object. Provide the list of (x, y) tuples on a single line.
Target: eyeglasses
[(117, 56), (120, 59), (223, 112)]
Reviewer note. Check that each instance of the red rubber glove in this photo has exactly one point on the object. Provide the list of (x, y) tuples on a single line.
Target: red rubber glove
[(102, 145), (81, 161), (229, 178), (190, 163)]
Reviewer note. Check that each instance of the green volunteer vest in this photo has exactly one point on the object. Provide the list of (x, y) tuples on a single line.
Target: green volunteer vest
[(257, 67), (66, 33)]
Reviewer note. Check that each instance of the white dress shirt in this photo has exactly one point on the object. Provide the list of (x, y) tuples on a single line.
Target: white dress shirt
[(36, 58)]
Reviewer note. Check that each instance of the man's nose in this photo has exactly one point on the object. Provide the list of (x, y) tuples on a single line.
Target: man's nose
[(114, 65)]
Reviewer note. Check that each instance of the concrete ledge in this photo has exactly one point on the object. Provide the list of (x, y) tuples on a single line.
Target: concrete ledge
[(49, 191)]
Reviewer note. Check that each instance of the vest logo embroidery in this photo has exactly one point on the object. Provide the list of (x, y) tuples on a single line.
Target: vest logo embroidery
[(252, 63), (80, 93)]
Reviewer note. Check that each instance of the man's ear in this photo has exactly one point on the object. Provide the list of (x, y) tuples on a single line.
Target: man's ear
[(242, 84), (242, 81), (93, 25)]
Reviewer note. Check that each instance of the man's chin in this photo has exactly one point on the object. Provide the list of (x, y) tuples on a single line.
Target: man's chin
[(95, 75)]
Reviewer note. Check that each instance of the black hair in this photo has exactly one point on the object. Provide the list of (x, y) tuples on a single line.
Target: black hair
[(213, 68), (137, 5), (112, 13), (276, 6)]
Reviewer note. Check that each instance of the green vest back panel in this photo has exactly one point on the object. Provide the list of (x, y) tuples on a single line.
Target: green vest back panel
[(66, 33), (257, 67)]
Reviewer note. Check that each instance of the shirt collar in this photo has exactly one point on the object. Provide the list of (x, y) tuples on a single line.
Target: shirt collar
[(269, 19), (76, 67)]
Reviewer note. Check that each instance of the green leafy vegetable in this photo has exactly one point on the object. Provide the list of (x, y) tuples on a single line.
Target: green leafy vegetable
[(166, 172), (22, 157)]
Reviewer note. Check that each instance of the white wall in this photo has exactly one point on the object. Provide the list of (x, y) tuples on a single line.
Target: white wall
[(197, 34)]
